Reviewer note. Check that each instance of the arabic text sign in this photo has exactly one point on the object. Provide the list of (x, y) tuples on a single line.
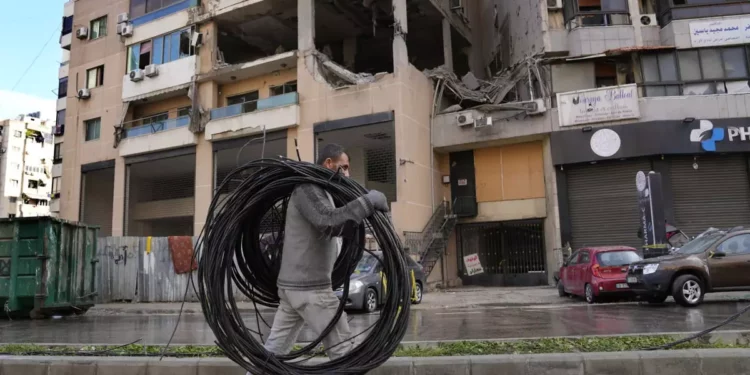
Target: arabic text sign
[(598, 105), (472, 265), (720, 32)]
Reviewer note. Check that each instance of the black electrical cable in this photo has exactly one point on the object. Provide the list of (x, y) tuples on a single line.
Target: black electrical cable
[(240, 250)]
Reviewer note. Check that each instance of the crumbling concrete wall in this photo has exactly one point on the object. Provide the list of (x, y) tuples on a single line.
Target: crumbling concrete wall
[(525, 27)]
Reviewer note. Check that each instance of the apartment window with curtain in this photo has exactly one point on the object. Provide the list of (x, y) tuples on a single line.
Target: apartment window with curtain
[(62, 88), (161, 50), (703, 71), (95, 77), (92, 129), (98, 28)]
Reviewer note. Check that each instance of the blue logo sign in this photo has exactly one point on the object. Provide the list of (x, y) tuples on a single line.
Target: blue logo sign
[(707, 135)]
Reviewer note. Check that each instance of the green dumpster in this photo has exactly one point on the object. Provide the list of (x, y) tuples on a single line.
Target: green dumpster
[(46, 267)]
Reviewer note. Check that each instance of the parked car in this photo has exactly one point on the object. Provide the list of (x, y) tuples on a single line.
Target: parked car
[(366, 286), (715, 261), (596, 272)]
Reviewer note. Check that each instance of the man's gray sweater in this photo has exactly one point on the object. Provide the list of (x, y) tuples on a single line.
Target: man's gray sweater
[(310, 246)]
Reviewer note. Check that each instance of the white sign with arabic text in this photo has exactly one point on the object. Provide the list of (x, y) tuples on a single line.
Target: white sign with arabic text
[(598, 105), (472, 264), (720, 32)]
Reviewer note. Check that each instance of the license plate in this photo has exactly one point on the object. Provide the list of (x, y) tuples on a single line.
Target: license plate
[(622, 286), (632, 280)]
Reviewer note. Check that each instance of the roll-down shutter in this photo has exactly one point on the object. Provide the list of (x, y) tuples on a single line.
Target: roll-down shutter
[(716, 194), (604, 203)]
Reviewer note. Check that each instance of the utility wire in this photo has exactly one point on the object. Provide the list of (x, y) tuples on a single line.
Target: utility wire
[(57, 30)]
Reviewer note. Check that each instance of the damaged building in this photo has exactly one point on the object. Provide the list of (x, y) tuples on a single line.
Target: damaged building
[(507, 129)]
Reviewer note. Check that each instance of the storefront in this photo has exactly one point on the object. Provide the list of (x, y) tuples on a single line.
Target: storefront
[(704, 166)]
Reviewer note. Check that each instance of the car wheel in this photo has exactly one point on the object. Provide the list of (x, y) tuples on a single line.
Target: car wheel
[(371, 301), (561, 289), (418, 292), (688, 291), (589, 294), (655, 300)]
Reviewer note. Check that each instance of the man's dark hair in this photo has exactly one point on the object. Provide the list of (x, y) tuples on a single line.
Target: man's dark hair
[(330, 151)]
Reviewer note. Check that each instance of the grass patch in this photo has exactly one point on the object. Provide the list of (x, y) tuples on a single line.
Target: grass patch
[(539, 346)]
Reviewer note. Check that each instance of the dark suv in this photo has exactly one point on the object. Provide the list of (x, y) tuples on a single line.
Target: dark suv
[(715, 261)]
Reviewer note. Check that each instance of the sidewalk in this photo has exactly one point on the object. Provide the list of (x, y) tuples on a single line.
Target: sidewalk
[(466, 297)]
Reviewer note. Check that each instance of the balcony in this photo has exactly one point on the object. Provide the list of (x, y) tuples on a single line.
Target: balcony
[(173, 76), (54, 205), (276, 112), (65, 41), (59, 130), (143, 135), (57, 170), (167, 8), (596, 26)]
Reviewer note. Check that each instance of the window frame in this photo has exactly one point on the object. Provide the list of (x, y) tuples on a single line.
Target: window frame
[(101, 32), (56, 181), (283, 87), (719, 249), (99, 79), (87, 123), (62, 88), (164, 44), (584, 253), (57, 153), (681, 83)]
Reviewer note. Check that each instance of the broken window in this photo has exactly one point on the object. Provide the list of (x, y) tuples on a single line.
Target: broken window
[(145, 55), (161, 50), (249, 101), (283, 89)]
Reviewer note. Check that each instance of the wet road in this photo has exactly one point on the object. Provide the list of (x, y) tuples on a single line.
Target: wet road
[(447, 324)]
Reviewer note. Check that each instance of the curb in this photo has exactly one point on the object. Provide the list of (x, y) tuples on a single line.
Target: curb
[(677, 362)]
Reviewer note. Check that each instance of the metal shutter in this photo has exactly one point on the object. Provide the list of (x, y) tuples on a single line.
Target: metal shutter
[(717, 194), (603, 203)]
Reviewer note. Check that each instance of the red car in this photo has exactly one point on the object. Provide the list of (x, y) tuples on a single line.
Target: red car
[(596, 272)]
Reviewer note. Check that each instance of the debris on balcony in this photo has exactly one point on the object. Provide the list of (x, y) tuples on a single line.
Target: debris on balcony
[(338, 76), (472, 92)]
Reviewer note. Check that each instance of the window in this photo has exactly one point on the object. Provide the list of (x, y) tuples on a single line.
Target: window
[(67, 25), (595, 12), (14, 183), (62, 88), (95, 77), (18, 134), (12, 199), (98, 28), (605, 74), (696, 72), (55, 186), (11, 216), (182, 112), (57, 154), (248, 100), (141, 7), (161, 50), (33, 184), (736, 245), (157, 119), (573, 259), (60, 119), (283, 89), (585, 258), (92, 129)]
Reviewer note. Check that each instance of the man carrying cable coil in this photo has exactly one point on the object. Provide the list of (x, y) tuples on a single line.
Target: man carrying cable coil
[(310, 250)]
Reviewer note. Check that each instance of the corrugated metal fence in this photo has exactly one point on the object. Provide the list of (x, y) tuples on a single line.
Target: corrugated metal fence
[(129, 269)]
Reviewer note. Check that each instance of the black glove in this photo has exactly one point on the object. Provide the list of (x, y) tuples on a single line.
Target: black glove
[(378, 200)]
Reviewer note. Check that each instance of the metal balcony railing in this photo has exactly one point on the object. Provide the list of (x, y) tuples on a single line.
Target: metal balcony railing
[(256, 105), (137, 128)]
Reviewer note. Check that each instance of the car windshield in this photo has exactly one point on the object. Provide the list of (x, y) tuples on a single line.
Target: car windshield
[(700, 244), (367, 264), (617, 258)]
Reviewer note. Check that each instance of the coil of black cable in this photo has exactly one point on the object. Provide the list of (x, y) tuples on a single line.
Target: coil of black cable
[(240, 252)]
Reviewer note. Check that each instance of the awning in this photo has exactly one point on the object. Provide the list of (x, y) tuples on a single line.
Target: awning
[(616, 52), (161, 92)]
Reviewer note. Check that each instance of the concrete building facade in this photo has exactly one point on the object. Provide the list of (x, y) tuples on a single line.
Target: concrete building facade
[(25, 167), (66, 36)]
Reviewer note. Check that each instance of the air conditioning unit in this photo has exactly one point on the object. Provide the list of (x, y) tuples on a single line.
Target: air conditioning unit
[(465, 119), (648, 19), (82, 33), (554, 4), (84, 94), (536, 107), (123, 17), (456, 4), (125, 29), (151, 71), (136, 75)]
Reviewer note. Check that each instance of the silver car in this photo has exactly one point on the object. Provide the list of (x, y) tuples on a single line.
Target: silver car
[(366, 286)]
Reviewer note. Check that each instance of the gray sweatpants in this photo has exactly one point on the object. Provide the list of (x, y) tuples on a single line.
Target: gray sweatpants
[(316, 308)]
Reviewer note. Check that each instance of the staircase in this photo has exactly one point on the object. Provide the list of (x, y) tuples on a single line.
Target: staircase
[(430, 244)]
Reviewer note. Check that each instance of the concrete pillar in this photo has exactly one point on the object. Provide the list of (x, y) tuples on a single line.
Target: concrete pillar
[(306, 25), (447, 45), (552, 239), (207, 53), (208, 95), (118, 198), (400, 52), (635, 14), (350, 52)]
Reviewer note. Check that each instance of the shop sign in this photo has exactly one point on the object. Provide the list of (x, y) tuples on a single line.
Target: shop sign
[(709, 136), (598, 105), (472, 265), (720, 32)]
